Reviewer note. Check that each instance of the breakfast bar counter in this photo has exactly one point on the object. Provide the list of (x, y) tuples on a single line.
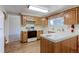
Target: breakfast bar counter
[(62, 42), (57, 37)]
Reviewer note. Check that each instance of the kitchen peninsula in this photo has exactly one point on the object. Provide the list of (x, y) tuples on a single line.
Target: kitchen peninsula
[(65, 42)]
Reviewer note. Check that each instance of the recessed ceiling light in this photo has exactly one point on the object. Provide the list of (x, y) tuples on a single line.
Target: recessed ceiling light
[(38, 9)]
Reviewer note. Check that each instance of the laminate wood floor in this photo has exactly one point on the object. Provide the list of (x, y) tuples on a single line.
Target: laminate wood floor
[(17, 47)]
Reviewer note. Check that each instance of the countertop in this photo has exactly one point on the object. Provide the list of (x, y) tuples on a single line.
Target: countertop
[(57, 37)]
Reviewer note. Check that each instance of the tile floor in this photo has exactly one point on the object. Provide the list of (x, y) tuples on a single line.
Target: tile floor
[(17, 47)]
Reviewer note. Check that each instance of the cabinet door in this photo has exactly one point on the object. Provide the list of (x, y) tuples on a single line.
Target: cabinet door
[(70, 17), (78, 15), (24, 37), (69, 45), (44, 21), (39, 33), (23, 20), (37, 20), (46, 46), (42, 45), (78, 43)]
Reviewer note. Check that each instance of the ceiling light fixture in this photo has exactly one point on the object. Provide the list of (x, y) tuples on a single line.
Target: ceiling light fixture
[(38, 9)]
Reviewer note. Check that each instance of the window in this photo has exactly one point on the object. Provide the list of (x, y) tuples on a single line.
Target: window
[(56, 21)]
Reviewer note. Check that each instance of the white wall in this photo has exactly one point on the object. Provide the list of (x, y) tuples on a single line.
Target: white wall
[(14, 27), (1, 32)]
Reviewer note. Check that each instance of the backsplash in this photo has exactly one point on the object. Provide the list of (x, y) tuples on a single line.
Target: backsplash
[(65, 28), (28, 26)]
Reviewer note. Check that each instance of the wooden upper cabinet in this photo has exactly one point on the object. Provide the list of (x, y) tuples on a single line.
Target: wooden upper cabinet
[(37, 20), (23, 20), (70, 16), (44, 21), (41, 21), (78, 15)]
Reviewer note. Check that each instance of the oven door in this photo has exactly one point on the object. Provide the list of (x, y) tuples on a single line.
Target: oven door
[(32, 34)]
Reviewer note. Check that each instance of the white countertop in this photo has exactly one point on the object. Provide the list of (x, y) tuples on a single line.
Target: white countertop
[(57, 37)]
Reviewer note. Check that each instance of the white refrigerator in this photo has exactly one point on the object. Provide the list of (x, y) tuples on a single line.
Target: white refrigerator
[(1, 32)]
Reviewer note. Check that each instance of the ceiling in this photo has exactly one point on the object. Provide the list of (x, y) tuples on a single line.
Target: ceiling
[(23, 9)]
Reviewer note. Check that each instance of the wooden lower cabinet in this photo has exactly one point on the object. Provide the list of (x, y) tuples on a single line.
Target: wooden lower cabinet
[(39, 33), (24, 37), (46, 46), (66, 46), (69, 45), (78, 43)]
